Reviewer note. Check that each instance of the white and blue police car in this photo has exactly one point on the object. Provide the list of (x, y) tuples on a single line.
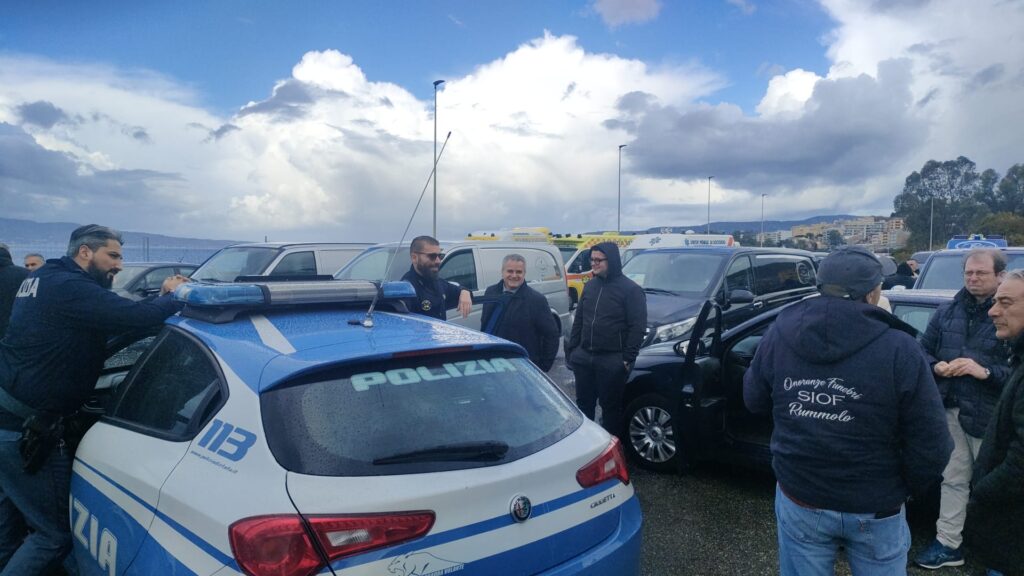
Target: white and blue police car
[(271, 429)]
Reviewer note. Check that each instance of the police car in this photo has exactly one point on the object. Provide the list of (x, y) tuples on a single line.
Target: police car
[(279, 428)]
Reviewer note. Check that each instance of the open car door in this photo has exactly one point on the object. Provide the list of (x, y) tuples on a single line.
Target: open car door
[(700, 407)]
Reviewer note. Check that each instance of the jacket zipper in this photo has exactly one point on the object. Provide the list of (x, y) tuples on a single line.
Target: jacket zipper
[(594, 320)]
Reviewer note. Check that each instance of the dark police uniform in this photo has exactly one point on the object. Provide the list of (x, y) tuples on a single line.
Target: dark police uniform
[(433, 297), (56, 343)]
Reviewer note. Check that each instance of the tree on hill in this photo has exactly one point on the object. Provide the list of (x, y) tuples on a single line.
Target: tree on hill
[(1008, 224), (953, 189)]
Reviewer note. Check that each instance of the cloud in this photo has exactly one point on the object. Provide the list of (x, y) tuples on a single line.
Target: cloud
[(848, 130), (41, 113), (745, 6), (615, 13)]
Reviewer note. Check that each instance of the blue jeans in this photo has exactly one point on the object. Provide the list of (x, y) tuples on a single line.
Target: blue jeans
[(809, 539), (38, 501)]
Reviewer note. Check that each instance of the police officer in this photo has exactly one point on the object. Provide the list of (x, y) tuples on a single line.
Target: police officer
[(434, 296), (49, 362)]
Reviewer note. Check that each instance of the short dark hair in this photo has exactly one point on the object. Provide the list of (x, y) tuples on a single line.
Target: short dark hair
[(421, 242), (92, 235), (997, 256), (35, 255)]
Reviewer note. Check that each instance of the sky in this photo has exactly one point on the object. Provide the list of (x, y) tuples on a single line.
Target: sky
[(315, 120)]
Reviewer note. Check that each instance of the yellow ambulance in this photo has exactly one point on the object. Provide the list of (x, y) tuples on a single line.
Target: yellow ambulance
[(576, 253)]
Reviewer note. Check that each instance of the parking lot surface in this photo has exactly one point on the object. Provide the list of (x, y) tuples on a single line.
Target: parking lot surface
[(720, 520)]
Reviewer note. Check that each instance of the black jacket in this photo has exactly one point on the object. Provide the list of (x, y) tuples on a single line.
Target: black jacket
[(995, 518), (56, 344), (10, 279), (961, 328), (434, 298), (859, 426), (612, 312), (525, 318)]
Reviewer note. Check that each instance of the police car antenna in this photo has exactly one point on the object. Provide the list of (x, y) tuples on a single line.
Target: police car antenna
[(367, 321)]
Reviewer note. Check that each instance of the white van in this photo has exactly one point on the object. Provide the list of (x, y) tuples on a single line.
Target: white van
[(475, 266), (647, 241)]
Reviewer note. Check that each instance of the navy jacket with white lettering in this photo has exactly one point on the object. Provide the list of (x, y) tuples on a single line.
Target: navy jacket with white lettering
[(859, 425), (56, 343)]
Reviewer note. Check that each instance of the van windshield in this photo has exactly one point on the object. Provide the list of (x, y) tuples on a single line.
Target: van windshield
[(230, 263), (691, 273), (420, 414)]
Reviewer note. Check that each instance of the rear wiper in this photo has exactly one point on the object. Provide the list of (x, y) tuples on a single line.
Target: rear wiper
[(660, 291), (463, 452)]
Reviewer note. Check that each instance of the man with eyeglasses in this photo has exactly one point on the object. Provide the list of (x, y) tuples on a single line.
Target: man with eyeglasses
[(434, 296), (50, 359), (969, 363), (606, 336)]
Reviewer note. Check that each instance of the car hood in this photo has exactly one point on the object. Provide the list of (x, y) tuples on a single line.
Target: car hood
[(665, 309)]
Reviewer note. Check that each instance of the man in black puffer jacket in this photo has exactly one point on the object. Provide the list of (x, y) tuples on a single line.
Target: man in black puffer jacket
[(970, 368), (606, 336)]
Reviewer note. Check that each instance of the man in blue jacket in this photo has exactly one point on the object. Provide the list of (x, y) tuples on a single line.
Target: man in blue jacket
[(969, 363), (606, 336), (49, 362), (516, 312), (859, 426)]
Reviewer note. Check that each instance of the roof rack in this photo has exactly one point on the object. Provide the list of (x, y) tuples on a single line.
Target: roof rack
[(220, 303)]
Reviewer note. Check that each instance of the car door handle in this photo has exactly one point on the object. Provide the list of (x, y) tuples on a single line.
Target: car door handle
[(757, 305)]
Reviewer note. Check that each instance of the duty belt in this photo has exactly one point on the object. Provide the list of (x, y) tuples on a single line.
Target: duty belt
[(15, 406)]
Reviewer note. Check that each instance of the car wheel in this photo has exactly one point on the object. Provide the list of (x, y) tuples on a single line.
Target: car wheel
[(650, 429)]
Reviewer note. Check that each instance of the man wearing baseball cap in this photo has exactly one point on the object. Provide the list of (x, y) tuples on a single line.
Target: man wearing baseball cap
[(859, 426)]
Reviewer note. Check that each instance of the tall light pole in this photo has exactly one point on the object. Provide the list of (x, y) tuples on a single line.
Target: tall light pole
[(762, 219), (931, 224), (709, 204), (436, 84), (618, 211)]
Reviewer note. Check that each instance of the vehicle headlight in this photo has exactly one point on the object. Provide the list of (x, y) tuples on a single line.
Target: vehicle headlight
[(673, 331)]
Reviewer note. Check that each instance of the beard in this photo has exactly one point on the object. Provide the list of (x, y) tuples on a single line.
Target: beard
[(429, 271), (102, 277)]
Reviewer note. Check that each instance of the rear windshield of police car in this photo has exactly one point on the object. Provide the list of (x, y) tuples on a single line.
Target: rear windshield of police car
[(413, 415)]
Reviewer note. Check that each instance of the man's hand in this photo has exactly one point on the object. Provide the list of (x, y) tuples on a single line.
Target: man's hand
[(172, 282), (941, 369), (966, 367), (465, 302)]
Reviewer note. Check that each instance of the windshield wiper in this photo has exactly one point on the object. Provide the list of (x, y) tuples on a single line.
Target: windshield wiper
[(463, 452), (213, 280), (660, 291)]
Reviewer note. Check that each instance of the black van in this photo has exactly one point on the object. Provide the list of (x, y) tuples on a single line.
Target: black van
[(743, 281)]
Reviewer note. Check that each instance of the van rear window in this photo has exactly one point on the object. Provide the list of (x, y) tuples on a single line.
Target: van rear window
[(414, 415)]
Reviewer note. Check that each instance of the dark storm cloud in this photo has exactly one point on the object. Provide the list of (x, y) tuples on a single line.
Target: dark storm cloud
[(852, 129), (290, 100), (987, 76), (41, 113), (34, 181)]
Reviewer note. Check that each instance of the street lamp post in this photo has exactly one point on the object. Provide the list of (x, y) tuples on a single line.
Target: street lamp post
[(762, 219), (618, 210), (931, 224), (709, 204), (436, 84)]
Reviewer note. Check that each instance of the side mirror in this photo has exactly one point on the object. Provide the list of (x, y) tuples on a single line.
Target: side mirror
[(680, 347), (741, 297)]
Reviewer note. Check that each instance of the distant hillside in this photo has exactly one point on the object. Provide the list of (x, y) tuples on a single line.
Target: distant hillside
[(728, 227), (27, 232), (755, 226)]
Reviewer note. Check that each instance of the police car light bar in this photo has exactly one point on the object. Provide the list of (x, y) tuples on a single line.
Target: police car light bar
[(198, 294)]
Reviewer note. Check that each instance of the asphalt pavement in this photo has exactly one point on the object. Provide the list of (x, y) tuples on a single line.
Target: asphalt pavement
[(720, 520)]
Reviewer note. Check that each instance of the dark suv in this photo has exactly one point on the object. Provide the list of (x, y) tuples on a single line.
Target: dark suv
[(743, 281), (684, 401)]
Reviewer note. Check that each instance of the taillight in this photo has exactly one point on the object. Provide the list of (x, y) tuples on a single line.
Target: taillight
[(281, 545), (610, 464)]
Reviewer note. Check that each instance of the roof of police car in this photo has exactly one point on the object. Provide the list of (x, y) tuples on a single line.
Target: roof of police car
[(266, 347)]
